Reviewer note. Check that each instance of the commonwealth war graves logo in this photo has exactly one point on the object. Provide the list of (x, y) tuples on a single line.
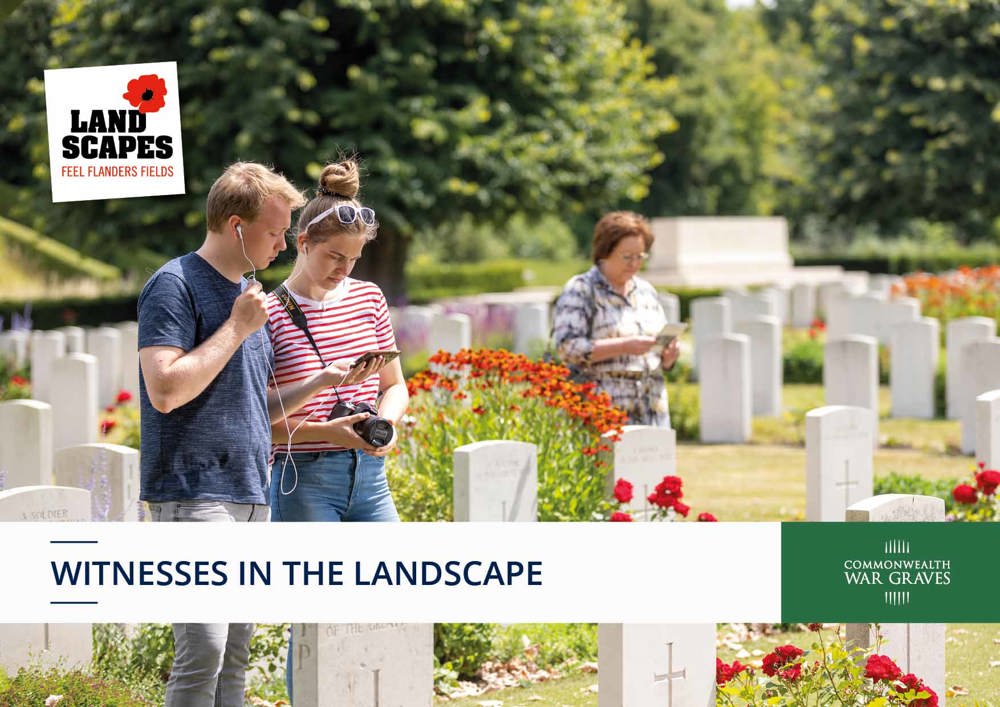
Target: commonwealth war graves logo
[(114, 131)]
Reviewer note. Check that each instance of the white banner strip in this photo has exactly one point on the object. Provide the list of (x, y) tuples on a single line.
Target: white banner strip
[(388, 572)]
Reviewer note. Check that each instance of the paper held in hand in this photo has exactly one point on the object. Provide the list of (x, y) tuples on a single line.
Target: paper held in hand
[(667, 334)]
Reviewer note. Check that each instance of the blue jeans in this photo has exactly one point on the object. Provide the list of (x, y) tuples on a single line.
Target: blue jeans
[(210, 660), (347, 486)]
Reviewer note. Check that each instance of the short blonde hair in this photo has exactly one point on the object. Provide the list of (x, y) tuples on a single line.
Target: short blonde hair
[(617, 225), (242, 190)]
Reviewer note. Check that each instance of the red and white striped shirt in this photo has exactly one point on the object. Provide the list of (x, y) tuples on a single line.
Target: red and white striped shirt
[(353, 319)]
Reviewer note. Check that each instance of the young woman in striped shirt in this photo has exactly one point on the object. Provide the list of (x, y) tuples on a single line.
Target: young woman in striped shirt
[(328, 472)]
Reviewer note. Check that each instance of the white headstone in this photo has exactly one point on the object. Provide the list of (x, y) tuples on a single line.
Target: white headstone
[(46, 347), (74, 400), (915, 648), (866, 314), (363, 665), (76, 338), (671, 304), (850, 374), (105, 344), (782, 296), (642, 456), (496, 480), (839, 316), (766, 371), (828, 291), (710, 317), (958, 333), (881, 284), (14, 346), (803, 305), (981, 374), (129, 357), (25, 443), (450, 332), (724, 391), (838, 460), (531, 328), (913, 364), (897, 311), (755, 304), (988, 429), (656, 665), (109, 471), (856, 281), (63, 645)]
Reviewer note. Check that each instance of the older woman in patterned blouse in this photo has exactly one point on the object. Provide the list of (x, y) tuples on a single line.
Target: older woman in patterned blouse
[(607, 318)]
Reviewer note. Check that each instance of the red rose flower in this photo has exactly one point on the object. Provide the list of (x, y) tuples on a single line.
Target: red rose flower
[(815, 627), (880, 667), (912, 682), (623, 490), (775, 662), (107, 426), (724, 673), (671, 484), (682, 508), (707, 518), (146, 93), (963, 493), (18, 380), (619, 517), (987, 481), (123, 397)]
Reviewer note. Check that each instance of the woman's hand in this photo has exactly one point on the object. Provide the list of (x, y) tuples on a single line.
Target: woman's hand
[(340, 372), (387, 447), (637, 345), (669, 355), (340, 431)]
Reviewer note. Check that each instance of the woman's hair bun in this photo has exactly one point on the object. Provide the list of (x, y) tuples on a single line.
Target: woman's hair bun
[(340, 179)]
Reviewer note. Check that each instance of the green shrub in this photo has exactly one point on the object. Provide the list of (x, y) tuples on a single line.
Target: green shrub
[(684, 410), (548, 645), (54, 256), (428, 280), (803, 361), (81, 311), (462, 648), (912, 484), (32, 686)]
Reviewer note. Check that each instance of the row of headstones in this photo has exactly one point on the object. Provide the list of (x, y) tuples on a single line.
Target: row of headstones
[(431, 328), (39, 447), (71, 361)]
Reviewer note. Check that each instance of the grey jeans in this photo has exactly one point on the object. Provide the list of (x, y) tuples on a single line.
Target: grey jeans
[(210, 660)]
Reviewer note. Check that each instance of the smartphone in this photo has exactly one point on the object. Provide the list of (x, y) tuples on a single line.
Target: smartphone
[(369, 355), (666, 335)]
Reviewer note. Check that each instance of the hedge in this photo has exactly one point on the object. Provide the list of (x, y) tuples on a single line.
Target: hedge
[(52, 255), (901, 264)]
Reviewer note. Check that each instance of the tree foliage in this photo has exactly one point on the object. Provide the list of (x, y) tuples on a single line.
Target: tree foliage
[(913, 115), (480, 107)]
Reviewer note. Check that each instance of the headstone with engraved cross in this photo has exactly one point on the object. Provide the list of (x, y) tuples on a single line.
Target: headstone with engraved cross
[(656, 665), (496, 480), (838, 460), (363, 665), (916, 648)]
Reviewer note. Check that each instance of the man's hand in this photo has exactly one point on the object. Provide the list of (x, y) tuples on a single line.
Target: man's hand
[(249, 310)]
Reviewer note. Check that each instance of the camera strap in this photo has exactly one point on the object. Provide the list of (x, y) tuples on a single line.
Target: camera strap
[(299, 319)]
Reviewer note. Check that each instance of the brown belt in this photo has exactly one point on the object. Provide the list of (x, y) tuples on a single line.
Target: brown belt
[(628, 375)]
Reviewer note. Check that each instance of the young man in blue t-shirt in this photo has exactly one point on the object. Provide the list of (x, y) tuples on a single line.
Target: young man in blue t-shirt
[(204, 400)]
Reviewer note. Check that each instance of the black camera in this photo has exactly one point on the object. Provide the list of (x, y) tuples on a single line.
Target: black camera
[(375, 430)]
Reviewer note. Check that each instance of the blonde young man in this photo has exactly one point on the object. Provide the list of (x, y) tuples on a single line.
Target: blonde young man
[(206, 413)]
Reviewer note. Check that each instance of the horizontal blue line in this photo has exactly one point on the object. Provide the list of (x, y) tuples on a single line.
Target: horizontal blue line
[(72, 602), (73, 542)]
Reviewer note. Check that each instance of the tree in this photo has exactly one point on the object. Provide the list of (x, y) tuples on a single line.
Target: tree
[(915, 109), (484, 107), (738, 108)]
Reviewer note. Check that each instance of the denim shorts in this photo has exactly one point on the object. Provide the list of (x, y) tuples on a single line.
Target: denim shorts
[(347, 485)]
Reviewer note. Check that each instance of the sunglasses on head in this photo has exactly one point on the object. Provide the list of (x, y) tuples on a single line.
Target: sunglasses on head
[(347, 214)]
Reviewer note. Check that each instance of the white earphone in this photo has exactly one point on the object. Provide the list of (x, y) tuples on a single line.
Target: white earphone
[(239, 231)]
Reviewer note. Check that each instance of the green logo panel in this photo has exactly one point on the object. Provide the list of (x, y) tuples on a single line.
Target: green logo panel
[(890, 572)]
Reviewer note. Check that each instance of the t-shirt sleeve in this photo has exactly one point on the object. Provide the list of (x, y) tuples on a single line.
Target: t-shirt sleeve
[(383, 327), (166, 314)]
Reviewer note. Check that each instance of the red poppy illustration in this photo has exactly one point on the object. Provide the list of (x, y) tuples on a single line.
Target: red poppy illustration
[(146, 93)]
